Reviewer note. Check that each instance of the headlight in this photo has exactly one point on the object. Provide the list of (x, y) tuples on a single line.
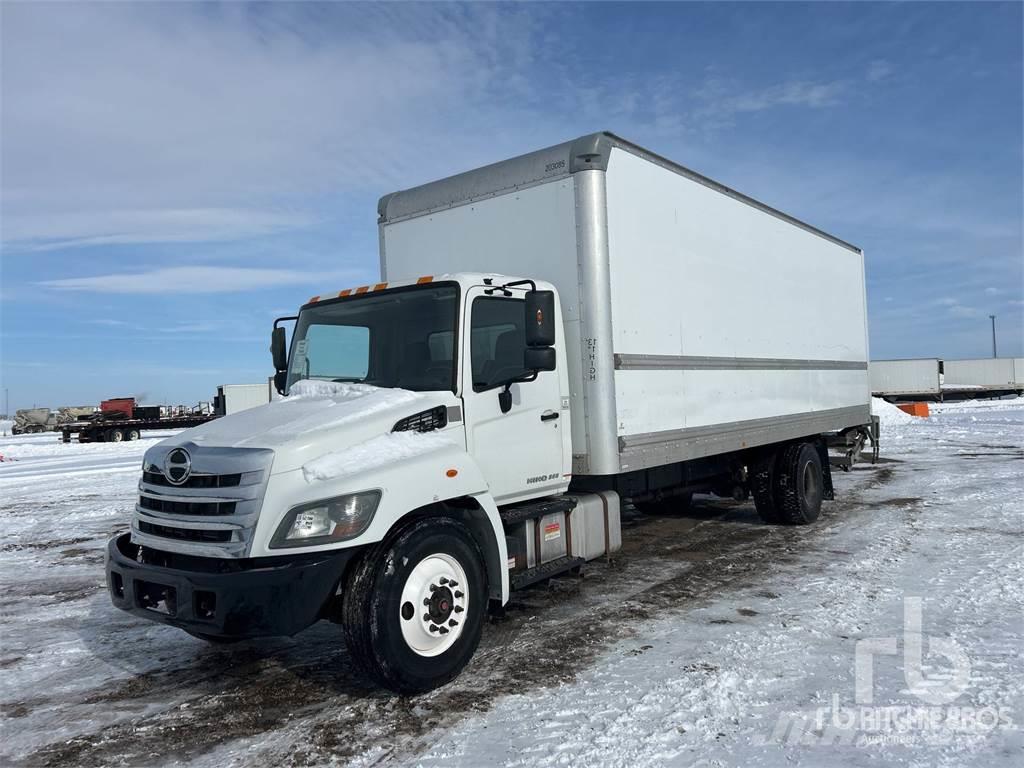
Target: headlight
[(326, 521)]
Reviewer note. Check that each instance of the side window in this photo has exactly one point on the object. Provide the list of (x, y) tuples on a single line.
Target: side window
[(497, 341), (336, 351)]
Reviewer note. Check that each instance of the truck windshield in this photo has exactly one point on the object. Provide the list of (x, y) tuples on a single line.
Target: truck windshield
[(403, 338)]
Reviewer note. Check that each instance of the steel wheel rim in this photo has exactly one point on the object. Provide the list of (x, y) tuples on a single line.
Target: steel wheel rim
[(439, 571)]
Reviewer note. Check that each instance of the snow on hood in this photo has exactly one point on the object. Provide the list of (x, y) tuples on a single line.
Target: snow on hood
[(316, 418), (374, 453)]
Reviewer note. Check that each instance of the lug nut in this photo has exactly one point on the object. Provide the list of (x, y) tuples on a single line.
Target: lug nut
[(453, 623), (433, 587), (452, 583), (426, 601), (433, 628), (444, 581), (459, 609), (443, 630), (458, 594)]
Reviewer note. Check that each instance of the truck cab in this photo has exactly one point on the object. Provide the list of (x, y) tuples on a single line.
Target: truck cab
[(408, 409)]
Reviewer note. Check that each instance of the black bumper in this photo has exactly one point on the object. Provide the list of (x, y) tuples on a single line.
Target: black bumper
[(238, 599)]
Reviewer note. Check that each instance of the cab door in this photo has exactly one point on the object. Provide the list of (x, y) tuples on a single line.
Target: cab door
[(521, 450)]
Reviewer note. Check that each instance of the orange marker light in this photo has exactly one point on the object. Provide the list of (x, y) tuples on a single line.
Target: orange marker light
[(362, 289), (380, 286), (425, 279), (452, 472), (314, 300)]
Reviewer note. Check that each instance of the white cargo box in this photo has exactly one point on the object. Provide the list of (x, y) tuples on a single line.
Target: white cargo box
[(698, 320), (986, 373), (906, 377), (232, 398)]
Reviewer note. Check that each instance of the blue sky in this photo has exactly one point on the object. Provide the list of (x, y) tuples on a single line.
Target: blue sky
[(175, 176)]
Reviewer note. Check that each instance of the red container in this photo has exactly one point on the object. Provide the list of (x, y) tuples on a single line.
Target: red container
[(125, 405)]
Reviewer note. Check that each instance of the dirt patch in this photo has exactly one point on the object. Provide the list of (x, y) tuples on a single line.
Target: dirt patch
[(900, 501), (43, 545), (747, 612)]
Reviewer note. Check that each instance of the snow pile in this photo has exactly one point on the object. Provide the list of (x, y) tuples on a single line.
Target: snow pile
[(889, 415), (5, 426), (341, 390), (374, 453)]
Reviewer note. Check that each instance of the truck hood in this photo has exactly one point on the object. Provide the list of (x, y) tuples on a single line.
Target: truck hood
[(318, 417)]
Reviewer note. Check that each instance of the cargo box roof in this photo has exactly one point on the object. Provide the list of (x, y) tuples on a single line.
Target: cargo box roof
[(558, 162)]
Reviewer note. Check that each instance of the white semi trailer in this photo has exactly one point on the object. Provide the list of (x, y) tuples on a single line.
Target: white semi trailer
[(999, 375), (914, 378), (550, 334)]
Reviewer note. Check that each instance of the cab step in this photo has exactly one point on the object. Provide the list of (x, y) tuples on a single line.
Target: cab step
[(544, 571), (532, 510)]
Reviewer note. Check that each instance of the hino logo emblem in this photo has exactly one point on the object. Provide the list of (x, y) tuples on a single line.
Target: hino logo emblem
[(177, 466)]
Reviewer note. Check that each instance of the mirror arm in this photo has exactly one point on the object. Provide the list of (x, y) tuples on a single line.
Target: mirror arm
[(285, 320)]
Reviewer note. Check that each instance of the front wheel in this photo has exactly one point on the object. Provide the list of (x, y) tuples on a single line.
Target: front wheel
[(413, 608)]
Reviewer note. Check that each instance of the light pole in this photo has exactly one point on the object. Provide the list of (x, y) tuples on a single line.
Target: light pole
[(993, 319)]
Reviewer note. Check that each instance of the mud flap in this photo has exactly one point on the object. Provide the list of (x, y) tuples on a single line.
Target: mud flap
[(828, 490)]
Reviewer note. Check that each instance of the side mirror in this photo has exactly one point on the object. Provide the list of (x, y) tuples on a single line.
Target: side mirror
[(539, 359), (278, 349), (280, 381), (540, 318)]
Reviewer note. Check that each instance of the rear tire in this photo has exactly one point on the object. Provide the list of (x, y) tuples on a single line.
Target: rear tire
[(132, 434), (115, 435), (799, 484), (389, 607)]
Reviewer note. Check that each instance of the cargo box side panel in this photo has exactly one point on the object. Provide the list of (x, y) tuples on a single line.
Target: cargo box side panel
[(989, 373), (726, 315), (905, 377), (531, 232)]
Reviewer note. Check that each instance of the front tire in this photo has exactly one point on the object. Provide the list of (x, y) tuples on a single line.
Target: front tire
[(413, 609)]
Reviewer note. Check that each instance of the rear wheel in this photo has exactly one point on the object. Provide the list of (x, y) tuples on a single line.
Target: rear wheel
[(799, 484), (115, 435), (413, 608), (132, 434)]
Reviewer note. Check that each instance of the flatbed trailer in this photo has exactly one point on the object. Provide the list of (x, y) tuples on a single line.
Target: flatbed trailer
[(114, 431)]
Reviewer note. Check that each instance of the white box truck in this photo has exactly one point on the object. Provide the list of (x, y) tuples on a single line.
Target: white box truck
[(550, 335), (910, 378)]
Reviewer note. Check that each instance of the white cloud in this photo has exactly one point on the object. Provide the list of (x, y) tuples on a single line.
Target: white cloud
[(45, 232), (140, 123), (187, 280), (879, 69), (723, 100)]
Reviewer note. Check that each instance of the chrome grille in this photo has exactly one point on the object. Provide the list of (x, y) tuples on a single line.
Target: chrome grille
[(213, 513), (194, 481)]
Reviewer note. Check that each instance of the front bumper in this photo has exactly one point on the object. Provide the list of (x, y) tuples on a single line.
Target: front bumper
[(256, 597)]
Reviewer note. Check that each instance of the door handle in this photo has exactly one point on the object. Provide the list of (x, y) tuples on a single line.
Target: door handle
[(549, 416)]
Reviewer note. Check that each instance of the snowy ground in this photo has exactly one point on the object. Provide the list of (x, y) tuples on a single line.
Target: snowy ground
[(711, 640)]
